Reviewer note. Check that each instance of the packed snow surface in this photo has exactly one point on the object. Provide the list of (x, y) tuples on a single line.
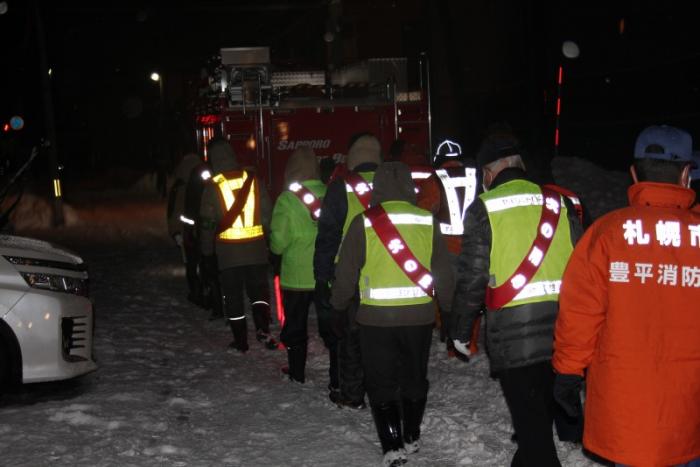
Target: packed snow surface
[(168, 392)]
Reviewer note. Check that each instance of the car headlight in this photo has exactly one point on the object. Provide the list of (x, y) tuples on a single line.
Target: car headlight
[(56, 283)]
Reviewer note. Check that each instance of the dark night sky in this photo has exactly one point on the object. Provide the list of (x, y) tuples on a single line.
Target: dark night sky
[(492, 60)]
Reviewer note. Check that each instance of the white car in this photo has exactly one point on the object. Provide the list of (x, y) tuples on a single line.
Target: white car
[(46, 316)]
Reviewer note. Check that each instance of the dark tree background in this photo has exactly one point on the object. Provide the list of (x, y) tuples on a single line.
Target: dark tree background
[(491, 60)]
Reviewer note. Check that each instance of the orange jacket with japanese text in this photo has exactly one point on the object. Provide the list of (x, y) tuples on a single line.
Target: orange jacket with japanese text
[(630, 315)]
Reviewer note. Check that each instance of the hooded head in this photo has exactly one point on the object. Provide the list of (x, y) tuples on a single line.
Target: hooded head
[(408, 153), (187, 164), (221, 156), (365, 149), (393, 182), (302, 165)]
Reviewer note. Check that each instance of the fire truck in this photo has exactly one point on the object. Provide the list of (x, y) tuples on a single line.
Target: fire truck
[(266, 113)]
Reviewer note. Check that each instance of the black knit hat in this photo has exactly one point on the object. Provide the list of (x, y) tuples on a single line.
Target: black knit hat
[(497, 145)]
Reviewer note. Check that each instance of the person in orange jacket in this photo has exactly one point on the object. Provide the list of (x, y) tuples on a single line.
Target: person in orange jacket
[(629, 320)]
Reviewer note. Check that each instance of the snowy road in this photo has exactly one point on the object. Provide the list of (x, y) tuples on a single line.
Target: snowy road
[(169, 393)]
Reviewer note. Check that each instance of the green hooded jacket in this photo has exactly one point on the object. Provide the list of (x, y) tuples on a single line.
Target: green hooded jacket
[(292, 229)]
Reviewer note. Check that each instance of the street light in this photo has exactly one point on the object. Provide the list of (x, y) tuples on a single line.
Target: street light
[(570, 50), (160, 180)]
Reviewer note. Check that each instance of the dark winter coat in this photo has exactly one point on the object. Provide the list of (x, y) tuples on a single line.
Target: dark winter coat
[(177, 198), (515, 336), (193, 192), (392, 182), (330, 225)]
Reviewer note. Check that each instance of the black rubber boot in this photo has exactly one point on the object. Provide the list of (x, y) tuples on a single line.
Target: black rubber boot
[(261, 318), (413, 411), (296, 357), (387, 419), (333, 367), (240, 334), (213, 301)]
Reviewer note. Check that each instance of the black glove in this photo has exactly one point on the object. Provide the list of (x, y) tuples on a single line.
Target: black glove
[(322, 297), (567, 389), (276, 262)]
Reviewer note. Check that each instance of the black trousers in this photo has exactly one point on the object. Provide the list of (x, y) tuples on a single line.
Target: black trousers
[(350, 368), (528, 393), (192, 258), (330, 340), (251, 278), (296, 314), (395, 360)]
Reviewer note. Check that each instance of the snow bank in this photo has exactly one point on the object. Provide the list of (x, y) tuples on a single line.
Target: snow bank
[(133, 214), (600, 190)]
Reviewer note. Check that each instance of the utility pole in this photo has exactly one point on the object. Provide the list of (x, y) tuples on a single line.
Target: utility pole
[(49, 120)]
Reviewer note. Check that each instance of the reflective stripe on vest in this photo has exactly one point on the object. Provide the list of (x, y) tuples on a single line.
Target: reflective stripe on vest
[(393, 293), (401, 219), (308, 199), (513, 201), (420, 174), (457, 210), (497, 297), (247, 226), (381, 222), (539, 289)]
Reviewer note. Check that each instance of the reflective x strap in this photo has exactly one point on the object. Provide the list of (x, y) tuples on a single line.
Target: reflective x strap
[(307, 198), (457, 212), (238, 205), (551, 208), (398, 249), (360, 187)]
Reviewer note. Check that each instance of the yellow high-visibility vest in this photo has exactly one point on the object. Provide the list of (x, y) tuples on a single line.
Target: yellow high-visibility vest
[(247, 225)]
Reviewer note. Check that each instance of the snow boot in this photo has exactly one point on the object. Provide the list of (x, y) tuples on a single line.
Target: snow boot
[(333, 368), (296, 357), (394, 459), (239, 329), (387, 419), (413, 410), (261, 318), (333, 393), (342, 401)]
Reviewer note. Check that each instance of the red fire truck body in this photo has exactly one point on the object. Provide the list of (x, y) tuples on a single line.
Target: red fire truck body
[(266, 116)]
